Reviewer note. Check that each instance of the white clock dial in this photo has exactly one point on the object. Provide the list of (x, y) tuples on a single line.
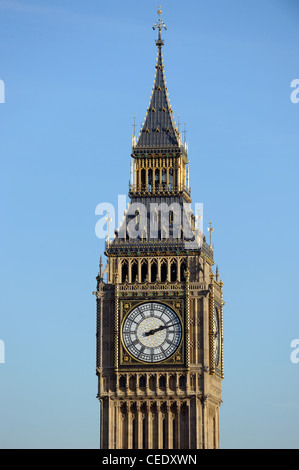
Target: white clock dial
[(152, 332)]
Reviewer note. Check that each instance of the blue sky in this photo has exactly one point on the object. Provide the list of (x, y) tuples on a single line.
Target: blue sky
[(75, 74)]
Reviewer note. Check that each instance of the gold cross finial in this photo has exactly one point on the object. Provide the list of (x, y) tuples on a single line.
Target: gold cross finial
[(159, 24)]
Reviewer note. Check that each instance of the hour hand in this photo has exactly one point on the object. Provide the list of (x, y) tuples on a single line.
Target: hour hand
[(152, 332)]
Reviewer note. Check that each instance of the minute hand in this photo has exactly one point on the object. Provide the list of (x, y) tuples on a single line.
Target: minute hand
[(160, 328)]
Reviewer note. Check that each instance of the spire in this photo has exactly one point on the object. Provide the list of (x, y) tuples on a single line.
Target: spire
[(159, 129)]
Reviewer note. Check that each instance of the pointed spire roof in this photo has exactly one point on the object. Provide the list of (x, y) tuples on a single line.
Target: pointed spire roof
[(159, 129)]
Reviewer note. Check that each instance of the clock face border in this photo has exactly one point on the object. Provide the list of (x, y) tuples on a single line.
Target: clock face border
[(176, 358)]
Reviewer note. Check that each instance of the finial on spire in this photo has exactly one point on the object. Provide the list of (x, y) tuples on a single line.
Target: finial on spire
[(108, 220), (134, 125), (101, 267), (134, 134), (185, 140), (159, 24)]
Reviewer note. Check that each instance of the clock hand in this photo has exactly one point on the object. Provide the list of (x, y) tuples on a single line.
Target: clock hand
[(152, 332), (160, 328)]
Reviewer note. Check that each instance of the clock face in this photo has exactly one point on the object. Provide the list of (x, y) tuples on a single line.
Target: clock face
[(152, 332), (216, 336)]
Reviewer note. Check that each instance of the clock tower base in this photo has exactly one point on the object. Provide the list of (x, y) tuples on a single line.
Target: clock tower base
[(184, 422)]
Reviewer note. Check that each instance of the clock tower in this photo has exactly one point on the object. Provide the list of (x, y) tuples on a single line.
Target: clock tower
[(159, 312)]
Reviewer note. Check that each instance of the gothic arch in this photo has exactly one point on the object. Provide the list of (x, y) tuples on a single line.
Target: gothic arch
[(144, 270), (163, 270), (154, 270), (132, 382), (162, 382), (183, 267), (173, 270), (124, 270)]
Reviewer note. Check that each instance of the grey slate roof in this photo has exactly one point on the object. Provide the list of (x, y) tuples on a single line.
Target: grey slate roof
[(159, 130)]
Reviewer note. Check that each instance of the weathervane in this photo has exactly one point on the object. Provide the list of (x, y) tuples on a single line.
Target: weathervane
[(159, 24)]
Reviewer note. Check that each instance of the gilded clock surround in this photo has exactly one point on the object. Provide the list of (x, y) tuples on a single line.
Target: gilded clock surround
[(126, 359)]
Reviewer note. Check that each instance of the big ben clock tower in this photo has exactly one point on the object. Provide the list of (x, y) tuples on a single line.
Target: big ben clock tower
[(159, 313)]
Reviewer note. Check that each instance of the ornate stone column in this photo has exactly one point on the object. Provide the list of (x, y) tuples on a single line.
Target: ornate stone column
[(178, 424), (139, 270), (168, 425), (203, 400), (139, 417), (160, 426), (130, 428), (129, 270)]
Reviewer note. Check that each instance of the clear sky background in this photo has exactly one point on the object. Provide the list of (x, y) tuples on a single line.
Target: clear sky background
[(75, 73)]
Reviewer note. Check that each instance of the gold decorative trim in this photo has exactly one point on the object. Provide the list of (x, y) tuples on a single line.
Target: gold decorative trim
[(187, 327), (221, 329), (116, 323), (211, 326)]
